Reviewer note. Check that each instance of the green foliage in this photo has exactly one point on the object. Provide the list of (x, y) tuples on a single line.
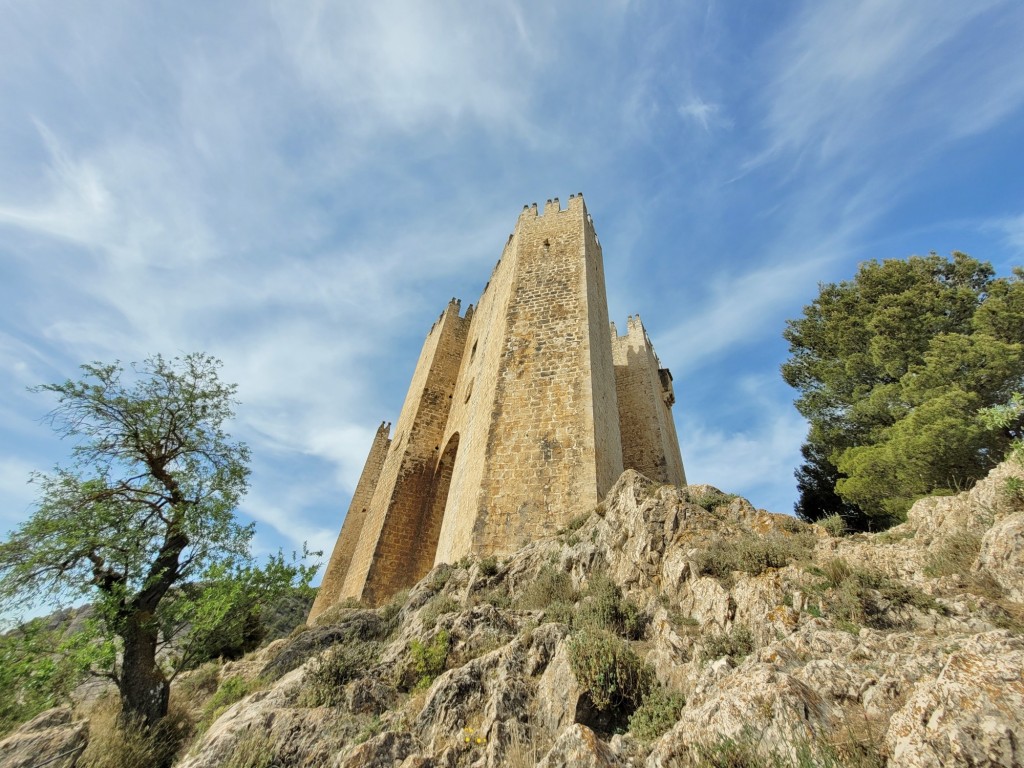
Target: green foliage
[(142, 525), (427, 660), (859, 597), (575, 524), (549, 590), (390, 611), (1009, 418), (489, 566), (603, 607), (658, 713), (833, 525), (325, 680), (34, 676), (609, 671), (892, 368), (752, 553), (735, 644), (712, 498), (437, 607), (440, 575)]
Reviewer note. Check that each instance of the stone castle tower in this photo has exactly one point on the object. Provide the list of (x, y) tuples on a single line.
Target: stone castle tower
[(521, 415)]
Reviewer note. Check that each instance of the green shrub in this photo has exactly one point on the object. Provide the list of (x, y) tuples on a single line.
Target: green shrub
[(658, 713), (711, 499), (325, 680), (735, 644), (440, 575), (575, 524), (752, 553), (609, 671), (833, 525), (550, 586), (489, 566), (860, 597), (437, 607), (560, 613), (603, 607), (390, 610), (427, 660), (498, 597)]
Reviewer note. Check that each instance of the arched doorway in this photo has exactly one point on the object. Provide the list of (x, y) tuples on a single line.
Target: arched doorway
[(433, 512)]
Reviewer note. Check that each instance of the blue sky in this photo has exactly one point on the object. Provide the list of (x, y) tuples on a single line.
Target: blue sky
[(299, 188)]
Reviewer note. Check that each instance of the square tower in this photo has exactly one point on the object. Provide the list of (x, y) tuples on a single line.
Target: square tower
[(512, 424)]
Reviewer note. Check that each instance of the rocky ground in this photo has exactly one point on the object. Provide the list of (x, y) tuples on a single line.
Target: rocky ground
[(670, 627)]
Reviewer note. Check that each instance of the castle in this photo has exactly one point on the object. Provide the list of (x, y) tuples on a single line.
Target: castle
[(521, 414)]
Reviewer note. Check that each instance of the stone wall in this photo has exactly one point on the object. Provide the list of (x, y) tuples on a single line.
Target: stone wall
[(392, 541), (645, 396)]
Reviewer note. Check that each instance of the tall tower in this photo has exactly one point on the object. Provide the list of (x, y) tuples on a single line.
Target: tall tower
[(512, 422)]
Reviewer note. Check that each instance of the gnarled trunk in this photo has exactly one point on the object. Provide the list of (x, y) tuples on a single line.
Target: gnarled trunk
[(143, 687)]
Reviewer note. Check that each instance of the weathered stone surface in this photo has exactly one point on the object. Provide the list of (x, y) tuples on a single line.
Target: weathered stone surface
[(781, 710), (557, 693), (971, 714), (384, 751), (52, 736), (1002, 554), (579, 747), (921, 686)]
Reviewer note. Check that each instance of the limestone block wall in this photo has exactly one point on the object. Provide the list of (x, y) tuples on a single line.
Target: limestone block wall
[(341, 558), (605, 414), (645, 397), (394, 540), (541, 454), (473, 406)]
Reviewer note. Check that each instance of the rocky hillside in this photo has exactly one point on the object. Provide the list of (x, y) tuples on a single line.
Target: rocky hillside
[(668, 628)]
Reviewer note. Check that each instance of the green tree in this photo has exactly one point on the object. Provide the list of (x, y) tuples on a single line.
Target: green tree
[(142, 524), (892, 368)]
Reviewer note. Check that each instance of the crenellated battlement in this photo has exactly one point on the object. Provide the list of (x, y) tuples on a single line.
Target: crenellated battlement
[(553, 205), (453, 309)]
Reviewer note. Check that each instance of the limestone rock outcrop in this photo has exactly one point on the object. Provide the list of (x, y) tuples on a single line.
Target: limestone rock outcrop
[(669, 627), (54, 736)]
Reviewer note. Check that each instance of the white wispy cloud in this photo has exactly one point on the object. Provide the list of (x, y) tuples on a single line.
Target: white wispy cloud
[(706, 115), (851, 79), (299, 187)]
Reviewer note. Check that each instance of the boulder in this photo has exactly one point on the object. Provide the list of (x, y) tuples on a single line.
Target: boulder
[(53, 737)]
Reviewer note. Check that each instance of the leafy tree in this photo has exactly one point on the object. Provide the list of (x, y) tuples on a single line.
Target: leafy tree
[(892, 368), (142, 524)]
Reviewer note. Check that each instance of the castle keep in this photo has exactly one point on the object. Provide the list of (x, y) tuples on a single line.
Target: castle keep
[(521, 414)]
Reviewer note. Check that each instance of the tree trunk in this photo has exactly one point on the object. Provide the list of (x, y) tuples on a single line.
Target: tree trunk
[(143, 687)]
